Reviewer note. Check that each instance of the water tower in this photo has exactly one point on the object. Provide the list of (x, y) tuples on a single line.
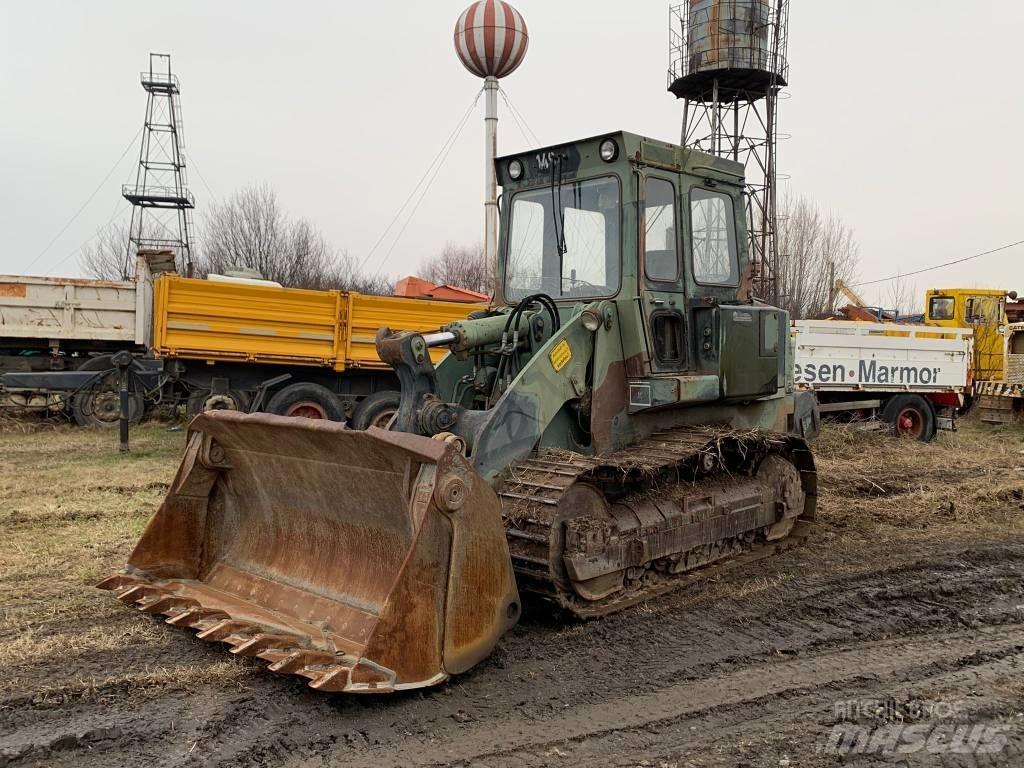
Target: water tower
[(727, 61), (491, 41)]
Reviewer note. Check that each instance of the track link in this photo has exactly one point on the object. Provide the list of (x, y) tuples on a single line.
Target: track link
[(654, 514)]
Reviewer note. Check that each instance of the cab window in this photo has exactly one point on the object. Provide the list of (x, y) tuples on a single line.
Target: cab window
[(564, 241), (982, 310), (940, 308), (713, 238), (661, 256)]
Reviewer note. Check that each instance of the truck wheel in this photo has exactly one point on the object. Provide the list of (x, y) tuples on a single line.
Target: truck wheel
[(100, 405), (375, 410), (910, 416), (202, 400), (309, 400)]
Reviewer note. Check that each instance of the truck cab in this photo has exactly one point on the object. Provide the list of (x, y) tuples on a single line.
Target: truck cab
[(982, 309)]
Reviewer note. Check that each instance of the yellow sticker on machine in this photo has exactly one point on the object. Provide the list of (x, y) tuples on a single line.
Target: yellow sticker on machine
[(560, 355)]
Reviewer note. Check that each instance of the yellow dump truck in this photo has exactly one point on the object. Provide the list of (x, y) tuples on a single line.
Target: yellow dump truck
[(224, 343)]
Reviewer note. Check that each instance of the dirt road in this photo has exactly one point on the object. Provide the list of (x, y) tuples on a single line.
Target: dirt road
[(898, 630)]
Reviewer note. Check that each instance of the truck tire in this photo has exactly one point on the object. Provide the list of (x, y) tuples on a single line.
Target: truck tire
[(202, 400), (375, 410), (100, 405), (910, 416), (307, 399)]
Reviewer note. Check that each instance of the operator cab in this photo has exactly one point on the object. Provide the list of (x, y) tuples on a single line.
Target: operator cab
[(660, 231)]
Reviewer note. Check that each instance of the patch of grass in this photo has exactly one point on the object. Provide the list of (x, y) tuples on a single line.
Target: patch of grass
[(153, 681), (73, 507), (966, 483)]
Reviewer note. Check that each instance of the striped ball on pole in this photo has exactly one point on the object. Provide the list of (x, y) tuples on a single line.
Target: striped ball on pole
[(491, 38)]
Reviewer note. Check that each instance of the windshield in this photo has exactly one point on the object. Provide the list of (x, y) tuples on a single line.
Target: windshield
[(564, 240)]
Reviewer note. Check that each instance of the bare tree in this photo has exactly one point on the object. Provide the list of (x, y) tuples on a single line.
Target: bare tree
[(815, 249), (103, 258), (458, 265), (901, 295), (345, 275), (106, 255), (250, 230)]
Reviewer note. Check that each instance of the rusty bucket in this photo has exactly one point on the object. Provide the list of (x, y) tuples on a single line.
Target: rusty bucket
[(364, 561)]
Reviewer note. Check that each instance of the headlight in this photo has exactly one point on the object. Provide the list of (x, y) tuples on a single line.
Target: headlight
[(591, 320), (609, 150), (515, 170)]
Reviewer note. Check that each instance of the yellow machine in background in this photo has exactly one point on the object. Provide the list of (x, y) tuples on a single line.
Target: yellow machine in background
[(982, 309)]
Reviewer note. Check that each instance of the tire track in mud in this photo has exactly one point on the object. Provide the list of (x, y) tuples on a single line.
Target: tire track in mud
[(550, 684), (772, 729), (539, 668), (654, 708)]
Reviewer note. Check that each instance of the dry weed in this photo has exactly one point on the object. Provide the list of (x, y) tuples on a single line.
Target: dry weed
[(969, 482), (71, 509)]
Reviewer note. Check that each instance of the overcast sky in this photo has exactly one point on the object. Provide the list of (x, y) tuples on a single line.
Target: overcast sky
[(903, 117)]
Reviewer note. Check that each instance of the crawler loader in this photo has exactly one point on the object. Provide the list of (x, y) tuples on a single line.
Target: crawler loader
[(621, 417)]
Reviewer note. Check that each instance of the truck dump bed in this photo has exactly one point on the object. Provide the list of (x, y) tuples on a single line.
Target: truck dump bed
[(202, 319), (66, 310)]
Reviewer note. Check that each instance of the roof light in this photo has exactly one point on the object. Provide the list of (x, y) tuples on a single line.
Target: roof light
[(609, 150)]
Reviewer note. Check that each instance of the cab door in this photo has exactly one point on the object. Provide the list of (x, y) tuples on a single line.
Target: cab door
[(663, 294)]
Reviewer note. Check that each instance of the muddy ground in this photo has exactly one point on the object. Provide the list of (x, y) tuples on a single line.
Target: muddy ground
[(901, 622)]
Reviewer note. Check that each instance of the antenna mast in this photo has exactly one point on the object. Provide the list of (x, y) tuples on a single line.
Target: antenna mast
[(161, 203)]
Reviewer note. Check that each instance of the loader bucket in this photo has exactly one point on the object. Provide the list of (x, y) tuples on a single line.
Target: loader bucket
[(364, 561)]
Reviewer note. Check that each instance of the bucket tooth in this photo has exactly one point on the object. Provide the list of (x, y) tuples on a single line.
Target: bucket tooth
[(166, 604), (119, 581), (274, 655), (223, 629), (138, 592), (198, 618), (333, 680), (298, 660), (256, 645), (312, 673), (206, 623), (237, 638)]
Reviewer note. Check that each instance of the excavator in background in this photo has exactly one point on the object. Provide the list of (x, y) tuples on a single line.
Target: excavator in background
[(622, 416), (857, 309)]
